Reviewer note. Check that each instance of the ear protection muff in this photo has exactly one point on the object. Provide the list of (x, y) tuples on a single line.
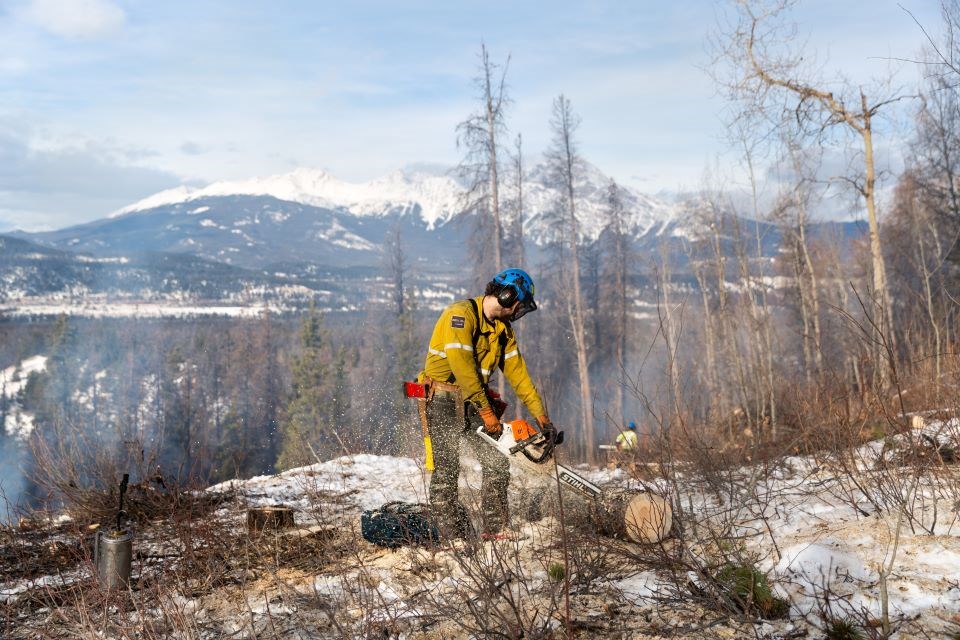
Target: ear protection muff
[(508, 295)]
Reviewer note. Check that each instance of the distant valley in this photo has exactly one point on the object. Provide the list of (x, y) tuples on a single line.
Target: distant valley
[(286, 241)]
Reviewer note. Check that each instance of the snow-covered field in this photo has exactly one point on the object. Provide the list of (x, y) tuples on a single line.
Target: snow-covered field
[(809, 538), (868, 536)]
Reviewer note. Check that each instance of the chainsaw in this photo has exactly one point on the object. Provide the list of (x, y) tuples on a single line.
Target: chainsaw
[(526, 444), (519, 440)]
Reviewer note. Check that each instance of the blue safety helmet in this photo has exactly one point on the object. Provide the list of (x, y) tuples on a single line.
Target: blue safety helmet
[(515, 285), (631, 425)]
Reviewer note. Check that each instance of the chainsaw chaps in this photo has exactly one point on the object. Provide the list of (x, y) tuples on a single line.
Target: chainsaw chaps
[(532, 451)]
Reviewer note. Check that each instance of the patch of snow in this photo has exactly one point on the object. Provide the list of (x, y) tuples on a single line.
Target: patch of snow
[(338, 235), (642, 588), (399, 479), (19, 423)]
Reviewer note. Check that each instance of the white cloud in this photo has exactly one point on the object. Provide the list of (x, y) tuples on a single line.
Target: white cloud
[(50, 188), (79, 19)]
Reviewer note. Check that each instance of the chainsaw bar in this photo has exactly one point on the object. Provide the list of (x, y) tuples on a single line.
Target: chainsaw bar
[(537, 455), (577, 482)]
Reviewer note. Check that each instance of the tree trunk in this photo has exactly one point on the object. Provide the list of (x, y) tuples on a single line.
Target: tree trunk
[(881, 295), (492, 115), (519, 223), (635, 516), (668, 331), (564, 126), (712, 375)]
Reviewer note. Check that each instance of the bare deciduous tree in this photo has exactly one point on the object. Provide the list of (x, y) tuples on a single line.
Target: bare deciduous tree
[(564, 162), (479, 135), (614, 289), (772, 85), (518, 176)]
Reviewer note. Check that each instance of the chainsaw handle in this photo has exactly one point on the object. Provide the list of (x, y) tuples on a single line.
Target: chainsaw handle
[(534, 439), (543, 457)]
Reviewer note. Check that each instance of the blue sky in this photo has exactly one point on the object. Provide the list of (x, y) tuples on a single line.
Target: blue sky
[(103, 102)]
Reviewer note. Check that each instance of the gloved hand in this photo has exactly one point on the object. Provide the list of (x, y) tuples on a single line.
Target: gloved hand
[(491, 423), (547, 429)]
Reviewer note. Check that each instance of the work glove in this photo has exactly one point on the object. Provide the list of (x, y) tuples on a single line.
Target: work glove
[(549, 431), (491, 423)]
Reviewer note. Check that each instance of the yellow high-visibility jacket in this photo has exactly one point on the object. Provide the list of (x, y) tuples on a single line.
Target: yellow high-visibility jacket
[(627, 440), (464, 353)]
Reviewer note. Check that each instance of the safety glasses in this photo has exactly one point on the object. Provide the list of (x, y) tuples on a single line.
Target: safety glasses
[(523, 308)]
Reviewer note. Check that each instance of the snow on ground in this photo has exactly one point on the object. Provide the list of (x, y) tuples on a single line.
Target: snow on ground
[(810, 537), (809, 524), (12, 380), (368, 480)]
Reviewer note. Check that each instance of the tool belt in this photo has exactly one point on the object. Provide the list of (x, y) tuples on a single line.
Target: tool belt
[(424, 392), (447, 389)]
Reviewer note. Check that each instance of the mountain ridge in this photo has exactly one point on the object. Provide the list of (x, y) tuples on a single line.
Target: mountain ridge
[(344, 242), (439, 195)]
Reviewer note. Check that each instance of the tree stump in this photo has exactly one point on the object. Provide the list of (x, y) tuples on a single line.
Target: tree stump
[(271, 518)]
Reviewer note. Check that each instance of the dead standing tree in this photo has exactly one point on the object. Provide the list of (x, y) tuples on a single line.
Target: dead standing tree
[(613, 288), (771, 87), (518, 177), (564, 165), (479, 135), (794, 222)]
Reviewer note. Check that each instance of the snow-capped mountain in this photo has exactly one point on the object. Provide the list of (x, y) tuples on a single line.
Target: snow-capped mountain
[(329, 237), (438, 196), (310, 217)]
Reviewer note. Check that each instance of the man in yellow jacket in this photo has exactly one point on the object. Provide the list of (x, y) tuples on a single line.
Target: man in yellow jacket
[(627, 440), (471, 340)]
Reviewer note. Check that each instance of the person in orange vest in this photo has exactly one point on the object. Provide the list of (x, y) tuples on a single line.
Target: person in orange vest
[(471, 340)]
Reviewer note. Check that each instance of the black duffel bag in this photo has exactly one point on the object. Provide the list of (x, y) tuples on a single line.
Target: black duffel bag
[(396, 524)]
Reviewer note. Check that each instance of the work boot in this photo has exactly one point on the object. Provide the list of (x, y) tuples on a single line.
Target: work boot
[(453, 524)]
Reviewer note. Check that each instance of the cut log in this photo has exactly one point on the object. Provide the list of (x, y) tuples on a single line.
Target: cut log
[(643, 518), (271, 518), (636, 516)]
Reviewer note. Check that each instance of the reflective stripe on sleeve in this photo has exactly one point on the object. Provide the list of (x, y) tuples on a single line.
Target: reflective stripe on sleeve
[(457, 345), (513, 353), (438, 353), (485, 372)]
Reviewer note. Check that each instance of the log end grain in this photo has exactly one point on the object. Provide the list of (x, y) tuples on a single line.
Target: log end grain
[(647, 518)]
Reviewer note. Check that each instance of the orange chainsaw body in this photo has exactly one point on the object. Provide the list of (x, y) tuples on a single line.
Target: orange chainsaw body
[(522, 430)]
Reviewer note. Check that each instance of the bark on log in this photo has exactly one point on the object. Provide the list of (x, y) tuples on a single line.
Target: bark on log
[(637, 516), (643, 518), (271, 518)]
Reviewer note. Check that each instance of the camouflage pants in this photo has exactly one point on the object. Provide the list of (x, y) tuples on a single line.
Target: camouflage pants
[(447, 431)]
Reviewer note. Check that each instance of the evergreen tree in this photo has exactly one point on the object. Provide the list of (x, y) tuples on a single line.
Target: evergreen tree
[(306, 422), (250, 424), (53, 390)]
